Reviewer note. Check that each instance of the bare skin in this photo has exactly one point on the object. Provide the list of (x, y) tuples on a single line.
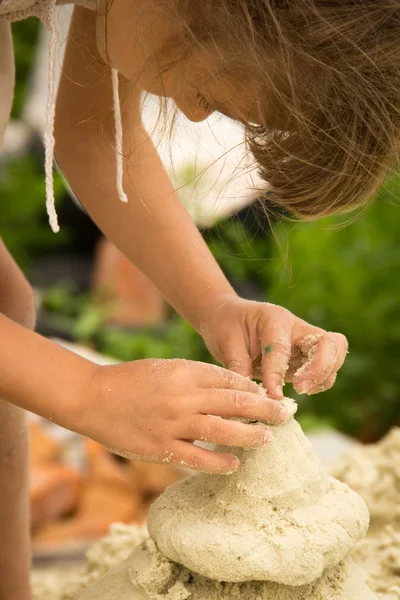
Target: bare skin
[(152, 410), (138, 408), (16, 301)]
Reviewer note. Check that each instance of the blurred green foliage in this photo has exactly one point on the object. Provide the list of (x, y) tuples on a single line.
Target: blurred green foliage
[(176, 340), (73, 314), (23, 221), (244, 258), (25, 34), (81, 317)]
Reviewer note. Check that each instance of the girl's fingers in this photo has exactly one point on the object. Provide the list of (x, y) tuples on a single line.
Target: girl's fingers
[(211, 376), (342, 346), (322, 357), (191, 456), (234, 403), (276, 345), (326, 356), (215, 430)]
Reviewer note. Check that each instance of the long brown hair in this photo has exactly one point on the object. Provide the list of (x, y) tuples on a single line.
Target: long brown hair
[(331, 70)]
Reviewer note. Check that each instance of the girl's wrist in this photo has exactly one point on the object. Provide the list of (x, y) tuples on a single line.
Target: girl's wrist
[(212, 304), (41, 376), (76, 404)]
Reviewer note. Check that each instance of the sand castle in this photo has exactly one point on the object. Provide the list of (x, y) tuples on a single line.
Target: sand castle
[(277, 529)]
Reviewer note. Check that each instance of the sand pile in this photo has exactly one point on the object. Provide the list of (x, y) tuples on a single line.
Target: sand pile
[(277, 529), (64, 583), (374, 472)]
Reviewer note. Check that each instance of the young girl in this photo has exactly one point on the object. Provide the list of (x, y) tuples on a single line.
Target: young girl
[(316, 84)]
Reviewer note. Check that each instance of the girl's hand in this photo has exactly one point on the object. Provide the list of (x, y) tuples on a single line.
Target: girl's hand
[(263, 340), (153, 410)]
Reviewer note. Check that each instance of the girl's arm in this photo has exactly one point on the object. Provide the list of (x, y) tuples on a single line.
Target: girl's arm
[(41, 376), (145, 410), (155, 231)]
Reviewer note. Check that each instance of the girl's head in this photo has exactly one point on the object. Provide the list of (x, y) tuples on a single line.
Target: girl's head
[(315, 82)]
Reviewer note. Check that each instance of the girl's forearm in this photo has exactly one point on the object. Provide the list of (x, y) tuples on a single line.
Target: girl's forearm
[(153, 229), (41, 376)]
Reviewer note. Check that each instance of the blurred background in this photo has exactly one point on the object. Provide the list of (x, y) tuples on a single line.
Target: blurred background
[(340, 274)]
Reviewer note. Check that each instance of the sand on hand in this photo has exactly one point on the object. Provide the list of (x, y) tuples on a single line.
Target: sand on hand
[(279, 528)]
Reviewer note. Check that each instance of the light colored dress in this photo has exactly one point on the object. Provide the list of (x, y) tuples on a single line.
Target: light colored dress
[(16, 10)]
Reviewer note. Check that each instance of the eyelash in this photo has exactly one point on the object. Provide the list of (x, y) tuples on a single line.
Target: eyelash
[(204, 103)]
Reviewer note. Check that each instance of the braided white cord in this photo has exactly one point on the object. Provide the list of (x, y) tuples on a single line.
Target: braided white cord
[(118, 137), (49, 141)]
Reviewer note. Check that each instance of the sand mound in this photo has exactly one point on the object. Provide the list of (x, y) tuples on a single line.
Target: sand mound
[(374, 472), (379, 555), (147, 575), (277, 529), (278, 509), (110, 551)]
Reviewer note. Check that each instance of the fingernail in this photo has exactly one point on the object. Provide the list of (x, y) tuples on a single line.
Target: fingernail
[(234, 466), (267, 436), (284, 414), (276, 392)]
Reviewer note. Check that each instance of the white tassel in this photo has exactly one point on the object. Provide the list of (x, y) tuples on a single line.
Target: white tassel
[(49, 141), (118, 137)]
